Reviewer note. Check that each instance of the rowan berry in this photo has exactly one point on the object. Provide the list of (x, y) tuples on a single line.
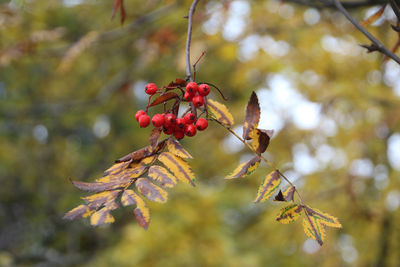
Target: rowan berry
[(204, 89), (144, 121), (138, 114), (201, 124), (179, 134), (168, 130), (189, 118), (150, 89), (188, 96), (158, 120), (169, 120), (198, 101), (190, 130), (191, 87), (180, 123)]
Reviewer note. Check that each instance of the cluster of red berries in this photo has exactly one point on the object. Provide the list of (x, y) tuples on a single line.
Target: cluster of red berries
[(179, 127)]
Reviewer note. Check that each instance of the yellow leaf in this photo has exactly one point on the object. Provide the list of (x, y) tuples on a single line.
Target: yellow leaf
[(220, 112), (82, 211), (148, 160), (244, 169), (162, 175), (151, 191), (142, 212), (101, 217), (177, 149), (289, 214), (260, 140), (178, 167), (314, 229), (268, 187), (97, 200), (323, 218)]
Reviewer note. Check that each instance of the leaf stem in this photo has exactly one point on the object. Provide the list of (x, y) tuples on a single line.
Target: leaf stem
[(262, 157)]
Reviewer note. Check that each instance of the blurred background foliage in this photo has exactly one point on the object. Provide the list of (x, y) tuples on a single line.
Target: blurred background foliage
[(71, 80)]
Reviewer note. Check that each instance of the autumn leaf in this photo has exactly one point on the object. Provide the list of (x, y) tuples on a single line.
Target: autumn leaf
[(142, 212), (97, 200), (220, 112), (163, 98), (252, 116), (245, 168), (314, 229), (102, 216), (155, 134), (151, 191), (287, 195), (178, 167), (142, 153), (100, 186), (119, 4), (289, 214), (260, 140), (269, 186), (162, 175), (82, 211), (323, 218), (177, 149)]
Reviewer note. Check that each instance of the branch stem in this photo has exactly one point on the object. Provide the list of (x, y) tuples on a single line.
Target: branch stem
[(189, 39)]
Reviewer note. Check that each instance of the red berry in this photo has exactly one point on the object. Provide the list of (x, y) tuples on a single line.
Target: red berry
[(179, 134), (139, 113), (180, 123), (150, 89), (198, 101), (191, 87), (168, 130), (188, 96), (158, 120), (169, 120), (204, 89), (144, 121), (189, 118), (201, 124), (190, 130)]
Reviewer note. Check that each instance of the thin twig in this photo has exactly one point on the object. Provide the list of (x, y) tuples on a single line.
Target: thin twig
[(377, 45), (262, 157), (195, 64), (189, 39)]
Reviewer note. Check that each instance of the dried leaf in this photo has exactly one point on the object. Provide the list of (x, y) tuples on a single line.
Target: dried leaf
[(116, 168), (289, 214), (148, 160), (268, 187), (177, 149), (155, 134), (162, 175), (252, 116), (314, 229), (220, 112), (97, 200), (289, 193), (151, 191), (101, 217), (163, 98), (245, 168), (374, 17), (323, 218), (178, 167), (119, 4), (82, 211), (100, 186), (142, 153), (260, 139), (142, 212), (279, 196)]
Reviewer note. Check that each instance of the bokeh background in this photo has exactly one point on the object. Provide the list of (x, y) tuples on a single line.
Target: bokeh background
[(71, 80)]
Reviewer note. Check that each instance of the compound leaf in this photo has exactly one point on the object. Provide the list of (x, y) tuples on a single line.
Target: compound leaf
[(245, 168), (151, 191), (269, 186)]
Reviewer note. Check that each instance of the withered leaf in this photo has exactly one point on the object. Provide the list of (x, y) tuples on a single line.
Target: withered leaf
[(260, 139), (289, 213), (279, 197), (323, 218), (82, 211), (142, 153), (374, 17), (99, 186), (252, 116), (245, 168), (142, 212), (163, 98), (155, 134), (101, 217), (178, 166), (289, 193), (151, 191), (177, 149), (314, 229), (269, 186), (162, 175), (119, 4), (220, 112), (97, 200)]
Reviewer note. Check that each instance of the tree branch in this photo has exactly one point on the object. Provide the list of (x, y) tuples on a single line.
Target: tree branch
[(376, 44), (189, 39), (319, 4)]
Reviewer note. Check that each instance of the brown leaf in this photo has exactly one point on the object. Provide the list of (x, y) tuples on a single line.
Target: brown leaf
[(285, 196), (279, 197), (97, 200), (81, 211), (374, 17), (98, 186), (142, 153), (252, 116), (155, 134), (260, 139), (178, 82), (163, 98), (245, 168)]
